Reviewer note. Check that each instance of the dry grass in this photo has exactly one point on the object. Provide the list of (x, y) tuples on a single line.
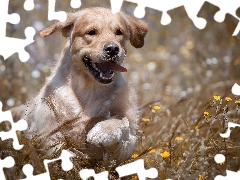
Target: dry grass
[(180, 70)]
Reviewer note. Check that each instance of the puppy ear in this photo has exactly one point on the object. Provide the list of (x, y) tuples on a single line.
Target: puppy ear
[(65, 27), (138, 29)]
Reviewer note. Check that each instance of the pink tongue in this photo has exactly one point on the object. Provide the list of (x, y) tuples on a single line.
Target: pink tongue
[(106, 66)]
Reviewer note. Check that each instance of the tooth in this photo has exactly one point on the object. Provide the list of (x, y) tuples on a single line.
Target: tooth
[(95, 67)]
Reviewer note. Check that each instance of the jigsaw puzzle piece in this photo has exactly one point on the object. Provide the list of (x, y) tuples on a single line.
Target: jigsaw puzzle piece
[(225, 8), (87, 173), (230, 175), (208, 12), (13, 45), (5, 17), (137, 167), (140, 11), (6, 150), (182, 13), (20, 125), (66, 165), (61, 167), (28, 171), (230, 126), (238, 12), (26, 155), (7, 162)]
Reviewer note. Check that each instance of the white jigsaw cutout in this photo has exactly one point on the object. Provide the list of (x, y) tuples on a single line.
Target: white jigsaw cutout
[(66, 166), (9, 46), (76, 3), (230, 175), (227, 133), (236, 92), (137, 167), (219, 158), (87, 173), (236, 89), (29, 5), (61, 15), (8, 162), (192, 9), (20, 125)]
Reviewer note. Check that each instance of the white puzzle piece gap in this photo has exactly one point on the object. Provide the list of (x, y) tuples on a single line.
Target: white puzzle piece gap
[(8, 162), (61, 15), (20, 125), (236, 89), (219, 158), (231, 175), (76, 3), (87, 173), (66, 166), (227, 133), (28, 5), (192, 9), (137, 167), (9, 46)]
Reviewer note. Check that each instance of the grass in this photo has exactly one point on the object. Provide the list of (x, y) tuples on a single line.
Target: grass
[(181, 141)]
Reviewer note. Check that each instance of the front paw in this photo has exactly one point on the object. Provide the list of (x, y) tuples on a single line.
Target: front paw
[(109, 132)]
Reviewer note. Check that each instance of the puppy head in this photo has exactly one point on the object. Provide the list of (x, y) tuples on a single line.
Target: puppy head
[(98, 40)]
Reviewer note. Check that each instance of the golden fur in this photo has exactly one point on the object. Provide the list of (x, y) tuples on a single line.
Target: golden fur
[(75, 109)]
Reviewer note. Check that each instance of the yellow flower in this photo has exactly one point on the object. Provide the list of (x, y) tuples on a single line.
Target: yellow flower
[(155, 109), (145, 120), (152, 150), (237, 102), (178, 138), (228, 99), (134, 155), (206, 113), (201, 177), (196, 127), (165, 154), (216, 97)]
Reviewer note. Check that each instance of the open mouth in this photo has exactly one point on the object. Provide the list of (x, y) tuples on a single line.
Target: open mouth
[(103, 72)]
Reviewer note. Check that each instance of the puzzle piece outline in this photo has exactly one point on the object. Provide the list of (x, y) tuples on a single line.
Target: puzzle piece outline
[(191, 9), (20, 126), (167, 14)]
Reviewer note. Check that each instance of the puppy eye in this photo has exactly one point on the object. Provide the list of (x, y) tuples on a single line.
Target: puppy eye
[(119, 32), (92, 32)]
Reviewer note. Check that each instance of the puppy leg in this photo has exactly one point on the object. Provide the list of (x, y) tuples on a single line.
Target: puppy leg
[(109, 132)]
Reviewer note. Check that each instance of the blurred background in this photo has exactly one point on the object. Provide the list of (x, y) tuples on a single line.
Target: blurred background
[(176, 59), (183, 77)]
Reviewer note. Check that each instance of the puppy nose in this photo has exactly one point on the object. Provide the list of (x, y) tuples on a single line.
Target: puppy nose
[(111, 49)]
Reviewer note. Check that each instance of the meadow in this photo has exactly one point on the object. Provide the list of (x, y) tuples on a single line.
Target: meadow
[(183, 77)]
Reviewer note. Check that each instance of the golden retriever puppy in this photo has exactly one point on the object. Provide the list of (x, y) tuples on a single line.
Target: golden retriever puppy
[(86, 104)]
